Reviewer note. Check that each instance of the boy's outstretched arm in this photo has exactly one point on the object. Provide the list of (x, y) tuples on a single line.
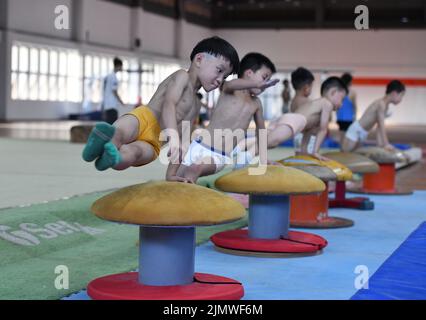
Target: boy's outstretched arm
[(305, 141), (382, 138), (173, 94), (260, 125), (322, 132), (244, 84)]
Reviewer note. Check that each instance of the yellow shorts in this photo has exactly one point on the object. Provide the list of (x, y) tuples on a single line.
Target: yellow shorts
[(149, 128)]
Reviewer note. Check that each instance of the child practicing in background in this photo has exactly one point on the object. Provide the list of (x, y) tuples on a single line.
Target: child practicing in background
[(346, 114), (318, 114), (286, 97), (374, 114), (238, 104), (134, 139), (302, 80)]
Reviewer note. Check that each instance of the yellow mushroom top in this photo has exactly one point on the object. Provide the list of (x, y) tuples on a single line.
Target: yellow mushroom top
[(275, 180), (342, 172), (381, 155), (164, 203), (355, 162)]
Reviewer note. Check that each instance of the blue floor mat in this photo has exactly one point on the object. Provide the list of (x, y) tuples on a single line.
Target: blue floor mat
[(331, 275), (403, 275)]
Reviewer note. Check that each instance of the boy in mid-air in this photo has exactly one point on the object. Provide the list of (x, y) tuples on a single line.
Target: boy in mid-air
[(318, 113), (134, 139), (238, 104), (374, 114)]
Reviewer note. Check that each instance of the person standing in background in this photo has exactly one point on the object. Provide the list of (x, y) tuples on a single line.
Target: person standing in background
[(111, 100), (302, 80), (346, 115), (286, 96)]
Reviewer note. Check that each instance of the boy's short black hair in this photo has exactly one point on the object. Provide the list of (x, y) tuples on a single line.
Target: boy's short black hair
[(333, 82), (347, 79), (218, 47), (117, 62), (395, 85), (254, 61), (300, 77)]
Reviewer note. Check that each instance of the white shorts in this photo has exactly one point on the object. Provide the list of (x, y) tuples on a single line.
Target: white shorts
[(356, 132), (198, 151)]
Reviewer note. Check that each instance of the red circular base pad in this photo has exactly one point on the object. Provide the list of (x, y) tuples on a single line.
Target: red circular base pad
[(297, 242), (125, 286), (327, 223)]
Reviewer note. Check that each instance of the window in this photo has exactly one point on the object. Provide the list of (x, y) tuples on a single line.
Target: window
[(271, 98), (97, 67), (45, 74), (153, 73)]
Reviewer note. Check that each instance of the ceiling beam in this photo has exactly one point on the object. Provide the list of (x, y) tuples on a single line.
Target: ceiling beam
[(319, 13)]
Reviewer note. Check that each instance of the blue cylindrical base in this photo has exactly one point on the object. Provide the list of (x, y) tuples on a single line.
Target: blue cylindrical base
[(166, 255), (269, 216)]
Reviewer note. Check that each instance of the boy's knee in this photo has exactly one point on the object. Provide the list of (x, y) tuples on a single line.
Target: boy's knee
[(126, 129), (119, 135)]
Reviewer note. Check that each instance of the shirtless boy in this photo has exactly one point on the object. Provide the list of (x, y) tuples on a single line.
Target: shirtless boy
[(238, 104), (134, 139), (318, 114), (302, 80), (374, 114)]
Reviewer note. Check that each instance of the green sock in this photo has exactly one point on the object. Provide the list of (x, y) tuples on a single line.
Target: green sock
[(110, 157), (100, 135)]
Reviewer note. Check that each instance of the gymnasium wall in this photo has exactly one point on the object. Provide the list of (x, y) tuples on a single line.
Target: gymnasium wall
[(36, 17), (371, 54), (108, 27), (100, 26)]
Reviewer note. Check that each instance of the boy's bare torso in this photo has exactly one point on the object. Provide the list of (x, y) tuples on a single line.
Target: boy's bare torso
[(233, 111), (187, 107), (312, 112), (298, 101), (370, 116)]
